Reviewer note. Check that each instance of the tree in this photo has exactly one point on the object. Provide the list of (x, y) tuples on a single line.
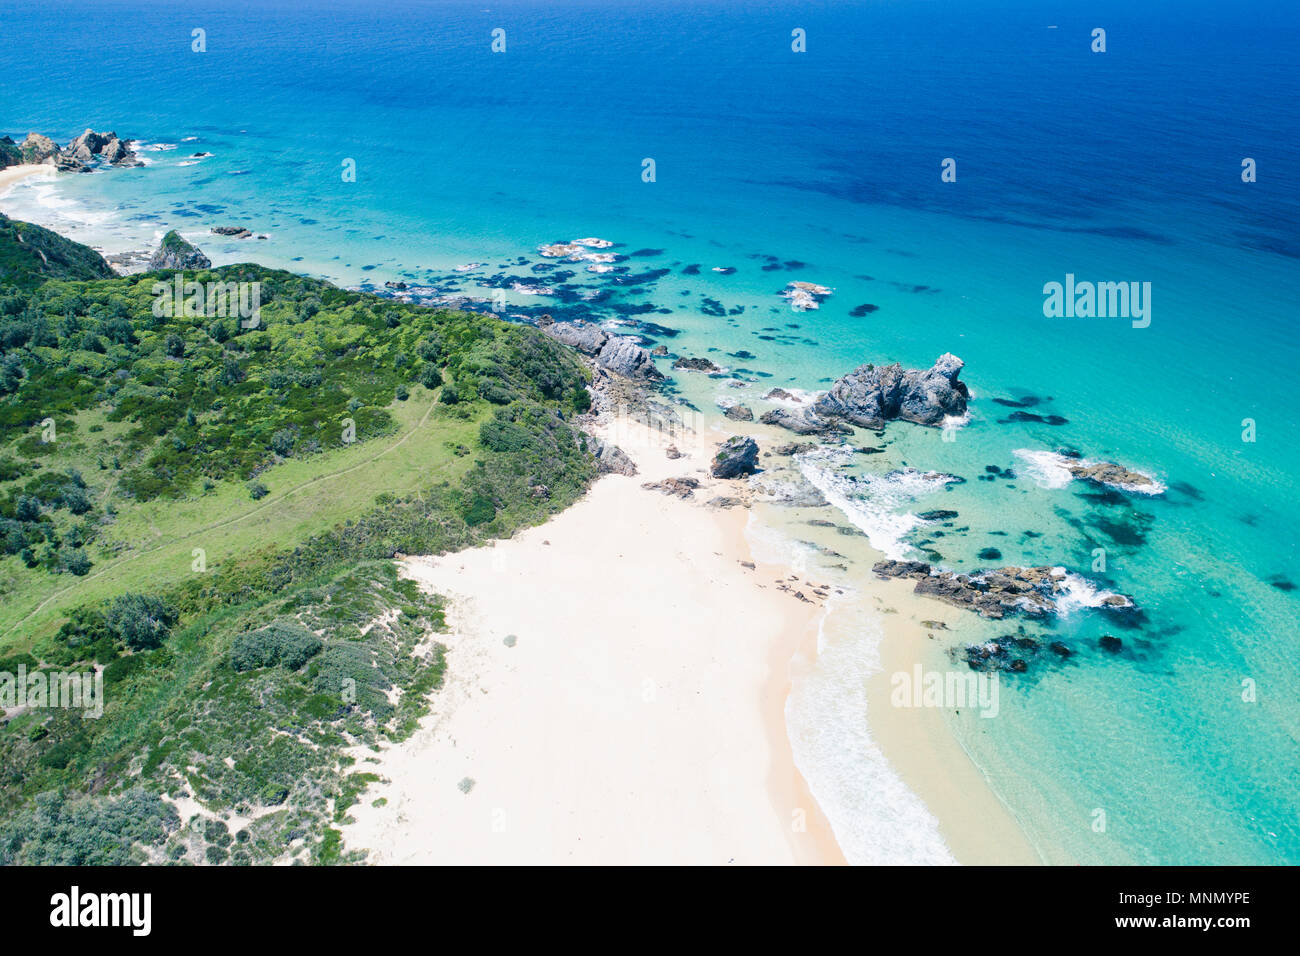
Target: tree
[(11, 373), (142, 621)]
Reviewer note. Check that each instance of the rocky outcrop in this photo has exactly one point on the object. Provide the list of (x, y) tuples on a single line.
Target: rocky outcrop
[(1010, 652), (175, 253), (994, 593), (696, 365), (81, 152), (618, 353), (610, 459), (804, 296), (78, 156), (239, 232), (38, 149), (116, 152), (737, 456), (802, 422), (679, 487), (586, 338), (739, 413), (621, 354), (1113, 475), (871, 395)]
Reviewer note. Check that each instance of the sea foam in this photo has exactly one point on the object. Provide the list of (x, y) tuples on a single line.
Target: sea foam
[(876, 819), (1052, 470), (874, 503)]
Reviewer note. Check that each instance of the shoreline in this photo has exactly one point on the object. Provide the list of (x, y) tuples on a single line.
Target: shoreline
[(975, 825), (518, 749), (978, 828), (13, 175), (665, 745)]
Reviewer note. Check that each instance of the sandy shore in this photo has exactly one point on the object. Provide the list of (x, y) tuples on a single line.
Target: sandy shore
[(639, 715), (919, 744), (15, 174), (635, 717)]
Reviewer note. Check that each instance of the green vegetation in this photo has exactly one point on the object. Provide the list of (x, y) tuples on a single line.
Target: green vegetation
[(30, 254), (208, 513)]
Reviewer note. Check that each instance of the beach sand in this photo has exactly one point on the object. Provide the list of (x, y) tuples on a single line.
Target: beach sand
[(636, 719), (638, 713), (12, 175)]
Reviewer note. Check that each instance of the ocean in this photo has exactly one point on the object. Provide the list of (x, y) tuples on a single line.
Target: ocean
[(827, 166)]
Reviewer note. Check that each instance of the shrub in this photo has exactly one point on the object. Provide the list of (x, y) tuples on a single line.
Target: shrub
[(142, 621), (286, 643), (283, 440)]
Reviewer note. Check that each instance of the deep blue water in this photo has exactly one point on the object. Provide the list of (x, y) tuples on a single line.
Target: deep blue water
[(824, 166)]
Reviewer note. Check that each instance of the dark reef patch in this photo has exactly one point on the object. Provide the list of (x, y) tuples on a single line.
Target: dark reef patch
[(1020, 417)]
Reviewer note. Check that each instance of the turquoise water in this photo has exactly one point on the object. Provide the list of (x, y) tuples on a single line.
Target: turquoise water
[(824, 167)]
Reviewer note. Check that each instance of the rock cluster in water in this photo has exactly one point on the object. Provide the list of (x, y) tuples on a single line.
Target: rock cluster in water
[(871, 395), (78, 156), (805, 296), (1113, 475), (993, 593)]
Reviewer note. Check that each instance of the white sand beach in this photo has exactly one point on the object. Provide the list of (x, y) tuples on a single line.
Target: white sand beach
[(13, 175), (636, 719), (616, 692)]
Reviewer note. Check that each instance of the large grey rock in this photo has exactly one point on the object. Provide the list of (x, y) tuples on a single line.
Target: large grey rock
[(1113, 475), (621, 354), (871, 395), (175, 253), (736, 456), (618, 353), (119, 153), (586, 338), (801, 422), (611, 459), (78, 154), (38, 149)]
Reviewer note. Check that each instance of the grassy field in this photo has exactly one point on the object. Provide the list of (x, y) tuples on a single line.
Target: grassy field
[(150, 545)]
